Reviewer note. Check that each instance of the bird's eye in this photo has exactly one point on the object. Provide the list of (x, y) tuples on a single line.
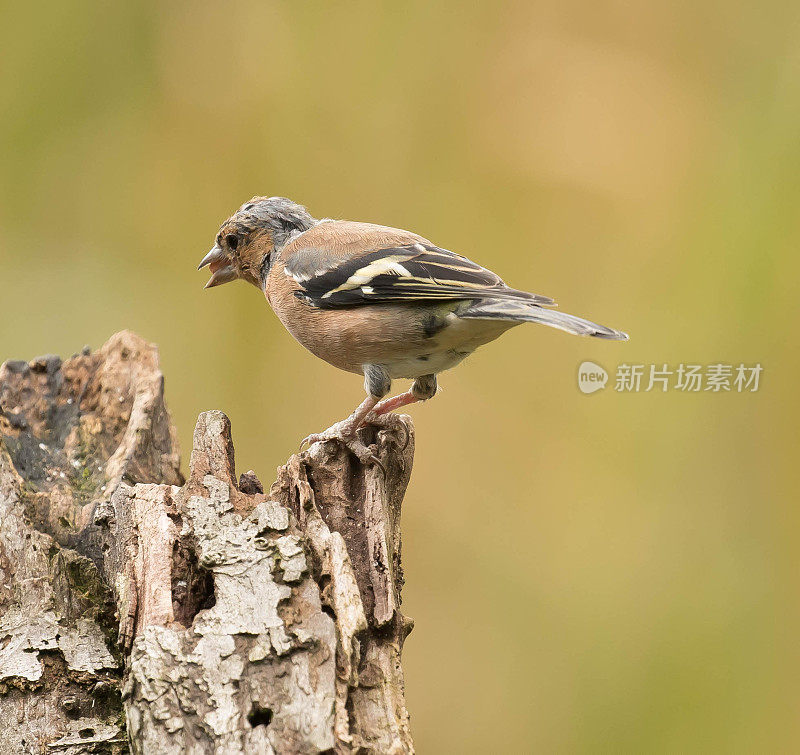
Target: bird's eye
[(232, 242)]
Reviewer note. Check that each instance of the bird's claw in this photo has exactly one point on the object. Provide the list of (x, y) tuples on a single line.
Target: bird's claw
[(309, 439), (349, 439), (340, 431), (388, 421)]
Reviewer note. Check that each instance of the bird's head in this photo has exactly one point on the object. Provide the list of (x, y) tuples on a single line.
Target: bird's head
[(248, 241)]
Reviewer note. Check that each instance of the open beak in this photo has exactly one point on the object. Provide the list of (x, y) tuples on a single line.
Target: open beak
[(221, 267)]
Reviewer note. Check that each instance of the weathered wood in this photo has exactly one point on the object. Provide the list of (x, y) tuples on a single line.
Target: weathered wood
[(189, 616)]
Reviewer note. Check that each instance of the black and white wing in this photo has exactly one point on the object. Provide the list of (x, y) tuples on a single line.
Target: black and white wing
[(414, 272)]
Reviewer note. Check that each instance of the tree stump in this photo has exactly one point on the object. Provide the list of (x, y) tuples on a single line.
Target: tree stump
[(147, 612)]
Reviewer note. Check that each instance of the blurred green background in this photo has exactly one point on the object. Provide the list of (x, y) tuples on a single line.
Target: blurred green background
[(604, 573)]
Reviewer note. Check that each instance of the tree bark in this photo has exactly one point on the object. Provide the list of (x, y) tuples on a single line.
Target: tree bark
[(144, 611)]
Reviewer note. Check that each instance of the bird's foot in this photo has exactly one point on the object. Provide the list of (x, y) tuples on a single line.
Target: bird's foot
[(384, 421), (346, 432), (388, 421)]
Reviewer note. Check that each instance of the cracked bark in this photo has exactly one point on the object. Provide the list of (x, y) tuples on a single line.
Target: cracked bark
[(141, 610)]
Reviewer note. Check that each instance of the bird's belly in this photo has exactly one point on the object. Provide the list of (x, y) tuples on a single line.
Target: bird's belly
[(425, 364), (454, 343), (399, 338)]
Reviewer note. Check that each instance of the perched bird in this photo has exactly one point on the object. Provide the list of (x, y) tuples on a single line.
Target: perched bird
[(378, 301)]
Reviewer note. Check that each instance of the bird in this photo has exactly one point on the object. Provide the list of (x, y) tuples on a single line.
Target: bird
[(374, 300)]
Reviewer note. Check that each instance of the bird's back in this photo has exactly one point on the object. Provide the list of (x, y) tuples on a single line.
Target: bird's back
[(346, 238)]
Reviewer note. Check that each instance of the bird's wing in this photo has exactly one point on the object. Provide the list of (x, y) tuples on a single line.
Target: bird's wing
[(410, 272)]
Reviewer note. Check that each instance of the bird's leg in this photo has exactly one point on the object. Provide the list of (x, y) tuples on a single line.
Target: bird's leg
[(395, 402), (377, 384), (422, 389)]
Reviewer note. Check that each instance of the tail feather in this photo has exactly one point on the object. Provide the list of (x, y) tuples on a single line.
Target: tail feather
[(525, 311)]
